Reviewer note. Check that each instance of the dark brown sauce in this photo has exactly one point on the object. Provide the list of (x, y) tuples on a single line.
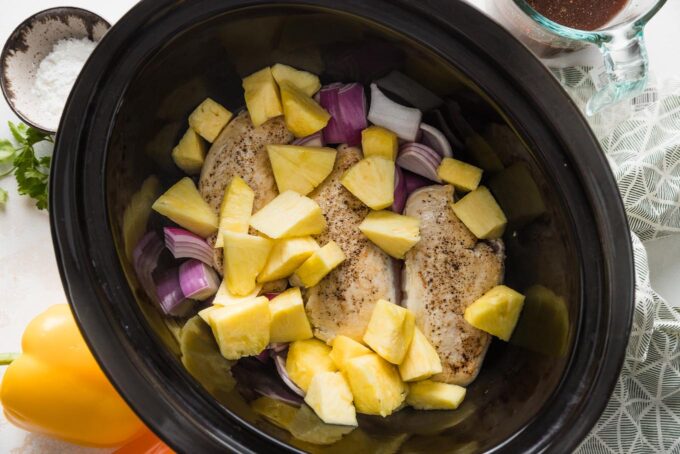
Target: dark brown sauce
[(579, 14)]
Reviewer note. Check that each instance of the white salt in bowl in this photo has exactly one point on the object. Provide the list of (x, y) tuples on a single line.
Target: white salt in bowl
[(28, 45)]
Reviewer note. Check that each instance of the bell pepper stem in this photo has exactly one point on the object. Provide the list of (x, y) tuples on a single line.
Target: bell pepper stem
[(7, 358)]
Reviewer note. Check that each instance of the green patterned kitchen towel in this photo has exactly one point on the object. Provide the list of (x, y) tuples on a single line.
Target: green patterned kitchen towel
[(641, 139)]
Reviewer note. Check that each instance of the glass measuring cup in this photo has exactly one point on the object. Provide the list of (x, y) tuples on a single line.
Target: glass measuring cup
[(621, 42)]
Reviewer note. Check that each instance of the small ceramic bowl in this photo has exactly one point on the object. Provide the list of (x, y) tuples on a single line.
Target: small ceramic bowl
[(32, 41)]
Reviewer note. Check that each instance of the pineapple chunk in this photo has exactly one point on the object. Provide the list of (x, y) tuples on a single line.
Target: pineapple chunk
[(300, 169), (309, 428), (262, 96), (371, 180), (202, 359), (303, 115), (496, 312), (482, 153), (244, 257), (305, 359), (390, 331), (236, 209), (184, 205), (278, 413), (287, 255), (157, 147), (137, 212), (543, 326), (205, 313), (224, 297), (393, 233), (289, 214), (189, 153), (481, 214), (330, 398), (209, 119), (304, 81), (431, 395), (378, 141), (289, 319), (421, 361), (375, 384), (241, 329), (346, 348), (463, 176), (316, 267), (517, 194)]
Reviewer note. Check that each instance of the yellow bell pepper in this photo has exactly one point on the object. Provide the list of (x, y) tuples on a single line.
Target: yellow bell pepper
[(146, 443), (55, 387)]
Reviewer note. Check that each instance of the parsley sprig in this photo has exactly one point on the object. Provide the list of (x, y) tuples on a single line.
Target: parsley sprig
[(19, 158)]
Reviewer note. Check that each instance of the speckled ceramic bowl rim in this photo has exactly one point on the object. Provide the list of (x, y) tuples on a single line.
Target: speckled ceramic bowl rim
[(9, 44)]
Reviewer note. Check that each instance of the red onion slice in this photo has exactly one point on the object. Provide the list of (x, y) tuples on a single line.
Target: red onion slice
[(278, 347), (262, 379), (403, 121), (184, 244), (419, 159), (347, 106), (280, 361), (145, 261), (264, 356), (437, 117), (197, 280), (458, 121), (315, 140), (435, 139), (409, 90), (169, 291), (400, 193), (414, 182)]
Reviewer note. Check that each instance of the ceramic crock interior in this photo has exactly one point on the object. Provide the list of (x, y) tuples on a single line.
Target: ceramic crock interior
[(211, 58)]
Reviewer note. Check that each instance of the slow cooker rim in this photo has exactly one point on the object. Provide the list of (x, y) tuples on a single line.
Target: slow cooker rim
[(68, 249)]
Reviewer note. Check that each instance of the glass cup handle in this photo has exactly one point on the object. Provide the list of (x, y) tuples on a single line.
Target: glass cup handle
[(626, 65)]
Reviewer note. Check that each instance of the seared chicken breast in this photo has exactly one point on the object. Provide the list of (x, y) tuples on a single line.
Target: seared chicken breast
[(343, 301), (240, 150), (443, 274)]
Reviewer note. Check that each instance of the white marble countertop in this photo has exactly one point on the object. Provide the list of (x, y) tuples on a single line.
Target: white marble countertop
[(29, 279)]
